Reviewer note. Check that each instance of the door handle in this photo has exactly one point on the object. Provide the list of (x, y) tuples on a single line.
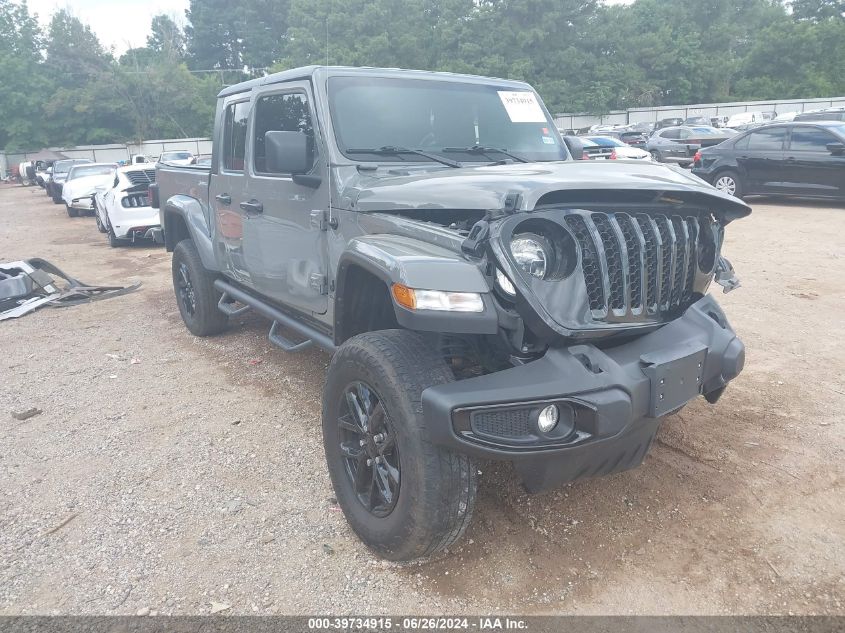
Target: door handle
[(223, 198), (252, 206)]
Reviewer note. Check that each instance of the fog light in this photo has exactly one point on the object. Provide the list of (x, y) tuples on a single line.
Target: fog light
[(548, 418)]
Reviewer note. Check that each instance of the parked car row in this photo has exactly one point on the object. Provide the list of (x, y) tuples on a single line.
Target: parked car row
[(117, 196)]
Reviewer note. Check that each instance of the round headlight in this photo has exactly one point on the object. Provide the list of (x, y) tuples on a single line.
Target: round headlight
[(532, 254), (548, 418)]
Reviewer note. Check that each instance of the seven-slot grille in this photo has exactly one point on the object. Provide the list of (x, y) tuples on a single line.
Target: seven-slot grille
[(636, 263), (141, 176)]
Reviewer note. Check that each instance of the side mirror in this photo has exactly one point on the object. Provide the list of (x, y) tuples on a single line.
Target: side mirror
[(287, 152), (575, 146), (837, 149)]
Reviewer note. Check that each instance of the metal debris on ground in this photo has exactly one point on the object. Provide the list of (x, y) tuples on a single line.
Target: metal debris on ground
[(26, 414), (30, 284)]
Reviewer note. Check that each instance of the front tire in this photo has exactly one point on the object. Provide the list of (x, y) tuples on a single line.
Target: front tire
[(403, 496), (656, 156), (71, 212), (100, 227), (195, 292), (728, 182)]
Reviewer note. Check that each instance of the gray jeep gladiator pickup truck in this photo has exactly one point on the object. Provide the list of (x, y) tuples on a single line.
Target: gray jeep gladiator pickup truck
[(484, 296)]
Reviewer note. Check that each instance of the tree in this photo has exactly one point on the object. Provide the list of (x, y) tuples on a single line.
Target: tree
[(166, 38), (227, 35), (25, 89), (818, 10)]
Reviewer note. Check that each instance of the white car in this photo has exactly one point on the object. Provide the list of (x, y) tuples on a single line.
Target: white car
[(179, 157), (123, 209), (620, 149), (81, 185), (27, 173)]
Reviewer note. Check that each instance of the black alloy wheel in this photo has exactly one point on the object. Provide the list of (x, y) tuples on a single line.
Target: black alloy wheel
[(185, 290), (368, 447)]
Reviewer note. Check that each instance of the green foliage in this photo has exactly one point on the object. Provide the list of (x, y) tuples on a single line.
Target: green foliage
[(62, 87)]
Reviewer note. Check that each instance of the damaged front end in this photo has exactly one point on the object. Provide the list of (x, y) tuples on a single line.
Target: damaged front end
[(622, 263), (604, 304)]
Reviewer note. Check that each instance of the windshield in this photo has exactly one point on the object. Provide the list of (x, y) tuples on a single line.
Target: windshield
[(64, 166), (433, 116), (176, 156), (93, 170)]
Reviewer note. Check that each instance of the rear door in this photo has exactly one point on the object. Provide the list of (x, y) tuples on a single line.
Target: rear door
[(811, 170), (228, 187), (760, 157), (285, 242)]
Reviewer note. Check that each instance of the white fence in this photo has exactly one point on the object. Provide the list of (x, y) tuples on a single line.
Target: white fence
[(112, 153), (652, 115)]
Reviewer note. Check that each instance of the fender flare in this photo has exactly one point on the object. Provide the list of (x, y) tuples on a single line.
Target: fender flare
[(397, 259), (190, 210)]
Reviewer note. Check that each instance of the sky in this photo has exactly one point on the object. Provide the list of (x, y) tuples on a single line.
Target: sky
[(121, 24), (124, 24)]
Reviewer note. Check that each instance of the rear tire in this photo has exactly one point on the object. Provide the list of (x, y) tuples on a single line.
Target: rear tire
[(114, 240), (428, 501), (99, 223), (195, 293), (729, 182)]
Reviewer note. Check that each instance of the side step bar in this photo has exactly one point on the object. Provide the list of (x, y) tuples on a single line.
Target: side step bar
[(279, 318)]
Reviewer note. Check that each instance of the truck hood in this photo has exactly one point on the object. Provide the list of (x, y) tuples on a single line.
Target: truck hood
[(487, 187)]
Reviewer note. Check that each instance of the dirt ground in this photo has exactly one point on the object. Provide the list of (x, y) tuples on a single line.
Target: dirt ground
[(178, 475)]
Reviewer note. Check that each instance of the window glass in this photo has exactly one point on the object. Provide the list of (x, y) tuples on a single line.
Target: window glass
[(234, 136), (768, 139), (742, 143), (284, 113), (810, 139), (671, 134)]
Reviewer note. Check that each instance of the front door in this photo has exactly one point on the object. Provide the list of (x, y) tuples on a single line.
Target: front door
[(760, 158), (284, 235), (811, 168)]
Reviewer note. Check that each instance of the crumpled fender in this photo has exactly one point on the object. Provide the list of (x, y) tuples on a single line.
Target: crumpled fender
[(416, 264)]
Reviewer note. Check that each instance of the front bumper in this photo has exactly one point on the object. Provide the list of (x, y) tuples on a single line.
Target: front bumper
[(611, 401)]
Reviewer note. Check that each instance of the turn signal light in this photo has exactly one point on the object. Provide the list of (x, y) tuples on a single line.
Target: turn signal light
[(439, 300)]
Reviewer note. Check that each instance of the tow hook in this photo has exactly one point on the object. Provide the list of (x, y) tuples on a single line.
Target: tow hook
[(725, 276)]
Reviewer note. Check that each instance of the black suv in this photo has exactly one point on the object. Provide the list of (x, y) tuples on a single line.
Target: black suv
[(790, 159)]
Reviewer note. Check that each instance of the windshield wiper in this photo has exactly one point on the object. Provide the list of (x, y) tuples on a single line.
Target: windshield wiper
[(391, 150), (480, 149)]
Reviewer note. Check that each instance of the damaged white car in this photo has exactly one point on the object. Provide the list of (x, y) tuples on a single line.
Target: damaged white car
[(123, 209), (81, 185)]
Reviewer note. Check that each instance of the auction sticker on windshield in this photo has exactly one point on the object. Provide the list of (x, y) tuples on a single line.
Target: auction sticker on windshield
[(522, 106)]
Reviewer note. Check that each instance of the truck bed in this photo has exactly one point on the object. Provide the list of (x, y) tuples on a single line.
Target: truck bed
[(192, 180)]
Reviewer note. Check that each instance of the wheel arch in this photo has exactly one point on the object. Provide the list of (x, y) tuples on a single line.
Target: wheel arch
[(183, 218)]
